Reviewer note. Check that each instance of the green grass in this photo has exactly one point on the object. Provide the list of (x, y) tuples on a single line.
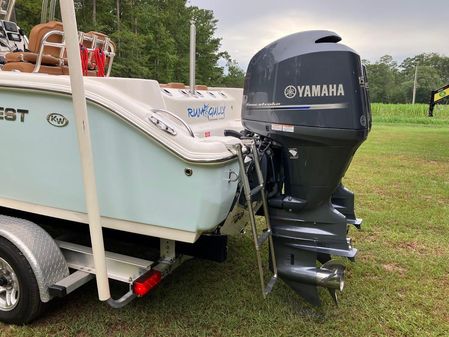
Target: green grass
[(409, 114), (397, 287)]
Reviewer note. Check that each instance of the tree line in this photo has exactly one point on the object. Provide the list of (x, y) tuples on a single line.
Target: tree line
[(152, 38), (391, 82)]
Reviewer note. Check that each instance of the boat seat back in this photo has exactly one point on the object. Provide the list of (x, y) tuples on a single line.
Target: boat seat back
[(38, 33), (102, 41)]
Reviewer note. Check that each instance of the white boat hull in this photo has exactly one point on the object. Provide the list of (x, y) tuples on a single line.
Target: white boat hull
[(142, 186)]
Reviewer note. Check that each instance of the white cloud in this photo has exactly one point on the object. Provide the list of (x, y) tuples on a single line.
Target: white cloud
[(374, 28)]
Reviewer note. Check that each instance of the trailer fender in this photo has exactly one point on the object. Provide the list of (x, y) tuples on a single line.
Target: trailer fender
[(40, 250)]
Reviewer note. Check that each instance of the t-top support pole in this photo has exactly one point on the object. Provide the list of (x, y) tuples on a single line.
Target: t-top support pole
[(85, 146)]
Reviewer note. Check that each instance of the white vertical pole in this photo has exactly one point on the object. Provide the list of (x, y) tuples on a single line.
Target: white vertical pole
[(51, 17), (192, 57), (415, 83), (10, 10), (85, 146), (44, 11)]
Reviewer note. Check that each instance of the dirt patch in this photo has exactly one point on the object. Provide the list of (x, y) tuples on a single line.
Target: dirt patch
[(420, 249), (367, 236), (394, 268)]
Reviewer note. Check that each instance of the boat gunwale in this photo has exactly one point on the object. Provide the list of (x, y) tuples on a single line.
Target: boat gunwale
[(64, 92)]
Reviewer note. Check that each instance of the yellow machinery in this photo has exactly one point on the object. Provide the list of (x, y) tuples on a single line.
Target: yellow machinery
[(437, 97)]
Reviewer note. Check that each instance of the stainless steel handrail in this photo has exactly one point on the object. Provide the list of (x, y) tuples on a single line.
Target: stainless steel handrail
[(189, 129), (45, 43)]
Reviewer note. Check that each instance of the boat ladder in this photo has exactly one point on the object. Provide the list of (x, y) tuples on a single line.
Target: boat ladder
[(255, 198)]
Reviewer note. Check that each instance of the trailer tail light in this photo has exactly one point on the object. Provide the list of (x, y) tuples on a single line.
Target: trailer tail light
[(146, 282)]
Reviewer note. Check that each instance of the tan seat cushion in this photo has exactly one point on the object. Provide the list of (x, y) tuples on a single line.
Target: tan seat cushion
[(100, 36), (37, 34), (175, 85), (32, 58), (201, 87), (182, 86), (26, 67)]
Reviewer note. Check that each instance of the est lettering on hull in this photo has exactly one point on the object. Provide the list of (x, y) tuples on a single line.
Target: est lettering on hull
[(13, 115)]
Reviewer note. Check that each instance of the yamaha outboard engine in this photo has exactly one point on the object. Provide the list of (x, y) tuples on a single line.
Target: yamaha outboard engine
[(306, 99)]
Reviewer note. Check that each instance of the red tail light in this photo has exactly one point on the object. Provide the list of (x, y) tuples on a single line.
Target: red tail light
[(146, 282)]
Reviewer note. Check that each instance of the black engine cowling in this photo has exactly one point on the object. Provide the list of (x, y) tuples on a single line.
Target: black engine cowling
[(308, 95)]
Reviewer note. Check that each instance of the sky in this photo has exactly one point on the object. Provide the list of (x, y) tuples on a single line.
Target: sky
[(400, 28)]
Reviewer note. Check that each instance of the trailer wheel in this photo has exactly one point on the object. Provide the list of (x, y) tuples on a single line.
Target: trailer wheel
[(20, 301)]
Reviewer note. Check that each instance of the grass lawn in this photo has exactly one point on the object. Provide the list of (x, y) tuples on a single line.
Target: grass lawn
[(399, 285), (410, 114)]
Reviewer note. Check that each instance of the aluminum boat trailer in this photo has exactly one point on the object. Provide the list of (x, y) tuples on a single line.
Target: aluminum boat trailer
[(125, 179)]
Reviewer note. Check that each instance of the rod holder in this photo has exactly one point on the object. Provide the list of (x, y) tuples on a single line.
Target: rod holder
[(192, 57)]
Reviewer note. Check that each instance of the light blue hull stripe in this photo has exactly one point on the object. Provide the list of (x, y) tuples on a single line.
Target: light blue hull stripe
[(137, 179)]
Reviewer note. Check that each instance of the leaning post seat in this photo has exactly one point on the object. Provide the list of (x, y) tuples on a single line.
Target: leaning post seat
[(47, 52), (46, 47), (103, 42), (91, 41)]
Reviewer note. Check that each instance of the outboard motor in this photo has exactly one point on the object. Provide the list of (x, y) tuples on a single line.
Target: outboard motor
[(306, 96)]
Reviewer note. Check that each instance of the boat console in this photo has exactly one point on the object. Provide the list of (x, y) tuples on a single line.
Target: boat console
[(12, 38)]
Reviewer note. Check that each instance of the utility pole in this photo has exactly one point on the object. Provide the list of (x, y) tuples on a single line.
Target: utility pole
[(117, 5), (415, 83)]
